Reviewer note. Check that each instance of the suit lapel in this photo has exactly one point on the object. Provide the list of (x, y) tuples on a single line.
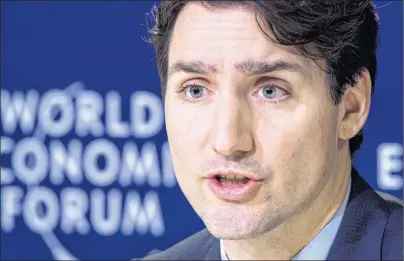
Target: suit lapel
[(213, 249), (361, 231)]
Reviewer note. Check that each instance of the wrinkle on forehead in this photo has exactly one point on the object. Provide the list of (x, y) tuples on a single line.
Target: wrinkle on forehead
[(215, 21), (206, 33)]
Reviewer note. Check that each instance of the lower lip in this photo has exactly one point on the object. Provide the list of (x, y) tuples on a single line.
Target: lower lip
[(233, 191)]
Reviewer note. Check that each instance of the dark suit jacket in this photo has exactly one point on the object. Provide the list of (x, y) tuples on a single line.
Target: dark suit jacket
[(371, 229)]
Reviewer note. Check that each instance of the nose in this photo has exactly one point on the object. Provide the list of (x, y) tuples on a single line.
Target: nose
[(232, 129)]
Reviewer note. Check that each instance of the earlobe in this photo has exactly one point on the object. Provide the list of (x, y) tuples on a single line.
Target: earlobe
[(356, 105)]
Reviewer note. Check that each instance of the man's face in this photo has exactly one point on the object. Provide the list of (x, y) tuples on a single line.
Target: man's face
[(236, 103)]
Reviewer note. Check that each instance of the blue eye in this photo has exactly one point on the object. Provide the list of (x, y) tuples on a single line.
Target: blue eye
[(271, 92), (194, 91)]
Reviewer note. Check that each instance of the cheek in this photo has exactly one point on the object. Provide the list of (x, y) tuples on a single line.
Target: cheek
[(186, 133), (297, 141), (187, 130), (294, 149)]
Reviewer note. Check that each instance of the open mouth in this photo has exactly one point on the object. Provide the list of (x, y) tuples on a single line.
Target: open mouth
[(232, 179), (233, 187)]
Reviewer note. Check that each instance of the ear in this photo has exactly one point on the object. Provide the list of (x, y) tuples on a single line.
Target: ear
[(355, 106)]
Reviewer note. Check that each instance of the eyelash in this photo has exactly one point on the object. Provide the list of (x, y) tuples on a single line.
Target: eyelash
[(183, 89)]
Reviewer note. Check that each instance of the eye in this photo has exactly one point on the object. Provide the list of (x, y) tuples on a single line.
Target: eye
[(271, 92), (194, 91)]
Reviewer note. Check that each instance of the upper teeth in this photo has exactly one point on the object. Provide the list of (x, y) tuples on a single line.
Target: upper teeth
[(231, 177)]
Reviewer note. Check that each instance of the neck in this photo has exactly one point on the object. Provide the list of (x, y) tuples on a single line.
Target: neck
[(288, 239)]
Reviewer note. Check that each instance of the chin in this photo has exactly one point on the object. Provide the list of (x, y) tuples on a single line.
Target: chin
[(230, 234), (233, 227), (237, 224)]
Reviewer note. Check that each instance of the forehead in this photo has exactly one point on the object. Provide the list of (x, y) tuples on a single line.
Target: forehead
[(224, 36)]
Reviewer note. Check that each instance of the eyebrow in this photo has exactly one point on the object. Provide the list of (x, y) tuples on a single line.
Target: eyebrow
[(196, 67), (251, 67), (247, 67)]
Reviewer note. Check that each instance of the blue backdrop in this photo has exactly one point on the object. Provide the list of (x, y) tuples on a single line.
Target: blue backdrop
[(85, 167)]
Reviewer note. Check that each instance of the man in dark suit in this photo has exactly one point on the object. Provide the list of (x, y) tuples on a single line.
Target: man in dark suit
[(265, 103)]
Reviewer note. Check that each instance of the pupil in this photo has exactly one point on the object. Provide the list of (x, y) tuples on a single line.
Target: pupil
[(196, 92), (269, 92)]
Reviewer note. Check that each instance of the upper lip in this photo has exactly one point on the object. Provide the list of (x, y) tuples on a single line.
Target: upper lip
[(216, 173)]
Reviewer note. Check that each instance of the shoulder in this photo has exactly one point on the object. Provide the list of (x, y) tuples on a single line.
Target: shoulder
[(193, 247), (392, 244), (394, 207), (370, 228)]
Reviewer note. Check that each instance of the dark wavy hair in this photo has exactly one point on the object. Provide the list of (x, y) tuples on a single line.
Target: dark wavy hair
[(343, 33)]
